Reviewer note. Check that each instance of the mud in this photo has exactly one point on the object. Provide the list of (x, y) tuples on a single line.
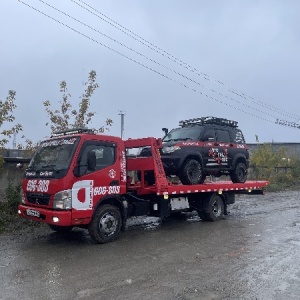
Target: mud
[(254, 253)]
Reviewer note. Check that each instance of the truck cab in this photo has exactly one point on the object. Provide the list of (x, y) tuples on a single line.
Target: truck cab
[(68, 176)]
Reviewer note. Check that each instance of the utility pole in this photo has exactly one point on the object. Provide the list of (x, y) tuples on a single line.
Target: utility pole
[(15, 141), (122, 114)]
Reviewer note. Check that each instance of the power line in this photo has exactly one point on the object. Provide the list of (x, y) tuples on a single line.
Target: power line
[(155, 62), (142, 55), (149, 68), (179, 61)]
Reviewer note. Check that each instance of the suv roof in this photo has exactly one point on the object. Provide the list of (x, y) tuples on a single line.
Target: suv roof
[(209, 120)]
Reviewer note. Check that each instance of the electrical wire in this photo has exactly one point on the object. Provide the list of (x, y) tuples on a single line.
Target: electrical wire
[(179, 61), (155, 62), (151, 69)]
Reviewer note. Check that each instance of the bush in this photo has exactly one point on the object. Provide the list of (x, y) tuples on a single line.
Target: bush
[(8, 209), (13, 196), (280, 169)]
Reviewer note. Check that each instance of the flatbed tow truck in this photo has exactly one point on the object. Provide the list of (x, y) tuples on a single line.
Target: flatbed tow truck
[(98, 185)]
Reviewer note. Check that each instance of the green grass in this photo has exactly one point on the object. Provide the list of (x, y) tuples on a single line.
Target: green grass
[(10, 222)]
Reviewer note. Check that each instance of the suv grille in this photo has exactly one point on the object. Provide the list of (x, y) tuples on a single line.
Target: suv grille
[(40, 199)]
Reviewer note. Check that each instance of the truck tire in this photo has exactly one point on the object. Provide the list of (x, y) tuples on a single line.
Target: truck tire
[(213, 209), (239, 174), (192, 172), (106, 224), (60, 229)]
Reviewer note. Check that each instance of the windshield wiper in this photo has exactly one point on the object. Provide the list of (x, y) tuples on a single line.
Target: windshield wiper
[(49, 166)]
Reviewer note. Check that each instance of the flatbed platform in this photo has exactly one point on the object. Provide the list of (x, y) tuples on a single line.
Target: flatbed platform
[(217, 186)]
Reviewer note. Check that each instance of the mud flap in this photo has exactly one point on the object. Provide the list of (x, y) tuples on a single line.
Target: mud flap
[(164, 208)]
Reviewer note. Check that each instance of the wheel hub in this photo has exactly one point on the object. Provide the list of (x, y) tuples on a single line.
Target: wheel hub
[(108, 224)]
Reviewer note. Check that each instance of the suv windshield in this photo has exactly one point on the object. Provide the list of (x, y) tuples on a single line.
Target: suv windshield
[(182, 134), (54, 155)]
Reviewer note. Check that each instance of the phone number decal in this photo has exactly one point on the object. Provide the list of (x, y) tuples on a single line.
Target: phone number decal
[(37, 185), (103, 190)]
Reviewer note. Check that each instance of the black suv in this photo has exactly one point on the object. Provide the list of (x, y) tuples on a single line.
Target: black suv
[(205, 146)]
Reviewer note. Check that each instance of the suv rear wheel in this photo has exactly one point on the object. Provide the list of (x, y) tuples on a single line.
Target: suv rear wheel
[(192, 172), (239, 174)]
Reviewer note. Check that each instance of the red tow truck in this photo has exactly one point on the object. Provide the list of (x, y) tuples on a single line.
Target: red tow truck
[(81, 179)]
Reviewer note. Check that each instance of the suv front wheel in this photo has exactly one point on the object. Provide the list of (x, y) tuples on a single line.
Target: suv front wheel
[(239, 174), (192, 172)]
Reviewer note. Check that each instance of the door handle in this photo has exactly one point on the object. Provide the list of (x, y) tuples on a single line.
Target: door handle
[(114, 183)]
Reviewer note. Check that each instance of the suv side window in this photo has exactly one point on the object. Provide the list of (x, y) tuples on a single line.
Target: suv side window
[(223, 136), (209, 134), (237, 137)]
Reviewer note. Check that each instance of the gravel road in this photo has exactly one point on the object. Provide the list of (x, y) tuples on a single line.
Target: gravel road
[(254, 253)]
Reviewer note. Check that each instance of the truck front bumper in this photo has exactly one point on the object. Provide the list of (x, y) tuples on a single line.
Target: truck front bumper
[(38, 214)]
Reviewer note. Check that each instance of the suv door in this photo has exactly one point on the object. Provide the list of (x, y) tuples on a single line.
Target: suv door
[(210, 148), (222, 149)]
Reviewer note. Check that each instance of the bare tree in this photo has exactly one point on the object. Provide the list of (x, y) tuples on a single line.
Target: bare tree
[(6, 116), (66, 117)]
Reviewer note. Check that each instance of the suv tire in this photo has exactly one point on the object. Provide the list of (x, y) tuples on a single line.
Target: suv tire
[(192, 172), (239, 174)]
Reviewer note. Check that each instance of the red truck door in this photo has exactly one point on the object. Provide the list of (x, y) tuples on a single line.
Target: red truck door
[(97, 180)]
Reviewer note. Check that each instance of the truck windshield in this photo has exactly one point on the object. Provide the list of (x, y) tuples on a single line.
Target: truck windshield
[(183, 134), (54, 155)]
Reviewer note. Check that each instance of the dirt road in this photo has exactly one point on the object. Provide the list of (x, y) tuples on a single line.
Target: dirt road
[(252, 254)]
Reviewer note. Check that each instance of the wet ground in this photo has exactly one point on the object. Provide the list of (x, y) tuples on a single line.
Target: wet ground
[(254, 253)]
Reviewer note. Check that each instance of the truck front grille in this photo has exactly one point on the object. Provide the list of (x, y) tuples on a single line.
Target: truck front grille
[(38, 199)]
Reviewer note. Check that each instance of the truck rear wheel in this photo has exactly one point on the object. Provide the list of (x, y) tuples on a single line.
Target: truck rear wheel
[(213, 209), (106, 224), (192, 172)]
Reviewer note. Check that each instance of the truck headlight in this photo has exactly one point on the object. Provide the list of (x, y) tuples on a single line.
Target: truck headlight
[(63, 200), (170, 149)]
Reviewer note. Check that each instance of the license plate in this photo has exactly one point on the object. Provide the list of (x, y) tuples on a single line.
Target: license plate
[(33, 213)]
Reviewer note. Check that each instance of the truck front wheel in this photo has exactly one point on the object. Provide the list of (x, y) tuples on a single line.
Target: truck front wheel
[(106, 224)]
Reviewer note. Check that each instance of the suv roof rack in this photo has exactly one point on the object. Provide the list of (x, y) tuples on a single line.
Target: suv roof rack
[(208, 120), (72, 131)]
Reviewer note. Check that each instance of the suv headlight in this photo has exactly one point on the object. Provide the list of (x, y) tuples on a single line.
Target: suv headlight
[(63, 200), (170, 149)]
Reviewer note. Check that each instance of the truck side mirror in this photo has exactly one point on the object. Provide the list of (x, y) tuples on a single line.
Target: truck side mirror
[(90, 165), (91, 161), (19, 166)]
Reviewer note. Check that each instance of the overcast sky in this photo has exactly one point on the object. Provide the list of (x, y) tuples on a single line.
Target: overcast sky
[(158, 61)]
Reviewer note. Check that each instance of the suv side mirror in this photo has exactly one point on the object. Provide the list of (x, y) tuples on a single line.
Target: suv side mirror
[(165, 130)]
